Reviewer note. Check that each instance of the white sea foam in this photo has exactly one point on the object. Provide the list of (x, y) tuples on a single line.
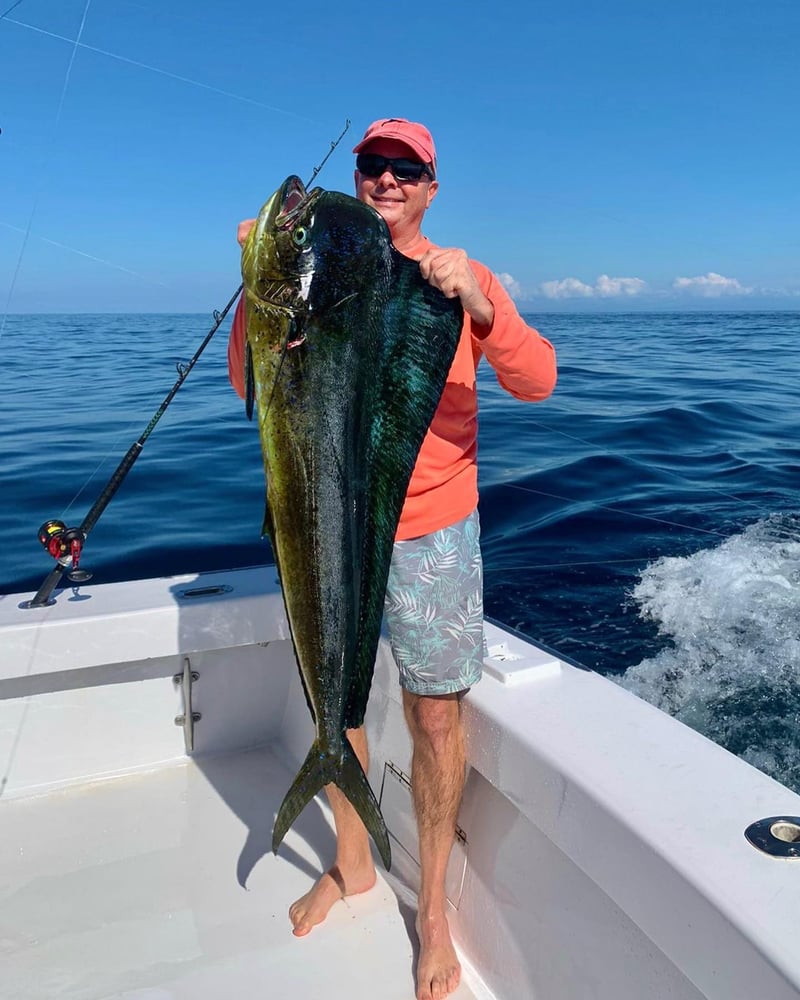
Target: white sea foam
[(732, 666)]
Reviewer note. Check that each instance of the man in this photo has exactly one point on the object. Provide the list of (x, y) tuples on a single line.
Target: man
[(439, 647)]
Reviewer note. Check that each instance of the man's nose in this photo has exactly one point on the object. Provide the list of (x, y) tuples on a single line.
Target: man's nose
[(387, 179)]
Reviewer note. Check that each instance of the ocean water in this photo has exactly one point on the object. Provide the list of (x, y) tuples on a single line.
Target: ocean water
[(644, 521)]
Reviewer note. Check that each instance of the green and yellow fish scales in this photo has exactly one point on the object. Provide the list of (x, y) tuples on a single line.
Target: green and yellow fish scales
[(348, 350)]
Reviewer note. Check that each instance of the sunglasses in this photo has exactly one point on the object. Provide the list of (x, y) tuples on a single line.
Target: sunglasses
[(372, 165)]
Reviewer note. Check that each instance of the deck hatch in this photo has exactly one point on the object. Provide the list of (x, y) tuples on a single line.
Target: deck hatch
[(397, 807)]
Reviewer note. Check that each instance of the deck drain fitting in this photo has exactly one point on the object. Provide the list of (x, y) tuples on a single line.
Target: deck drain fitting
[(778, 836)]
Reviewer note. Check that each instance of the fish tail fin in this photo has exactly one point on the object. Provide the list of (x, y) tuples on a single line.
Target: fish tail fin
[(353, 782), (312, 777), (320, 769)]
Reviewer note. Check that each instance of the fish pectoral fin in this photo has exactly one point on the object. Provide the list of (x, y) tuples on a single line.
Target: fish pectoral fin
[(249, 382), (320, 769)]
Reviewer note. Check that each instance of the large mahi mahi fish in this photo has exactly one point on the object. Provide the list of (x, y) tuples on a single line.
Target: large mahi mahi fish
[(348, 350)]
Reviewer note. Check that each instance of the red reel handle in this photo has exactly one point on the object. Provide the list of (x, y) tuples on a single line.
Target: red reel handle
[(62, 542)]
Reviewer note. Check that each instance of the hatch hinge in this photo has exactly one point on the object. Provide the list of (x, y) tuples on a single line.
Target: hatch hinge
[(188, 718)]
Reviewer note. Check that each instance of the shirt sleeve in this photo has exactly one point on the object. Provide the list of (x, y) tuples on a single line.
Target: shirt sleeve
[(236, 345), (523, 360)]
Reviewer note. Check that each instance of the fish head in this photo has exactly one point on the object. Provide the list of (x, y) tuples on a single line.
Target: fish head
[(275, 253), (309, 248)]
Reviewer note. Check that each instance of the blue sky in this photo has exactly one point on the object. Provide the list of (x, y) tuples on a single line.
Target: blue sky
[(614, 155)]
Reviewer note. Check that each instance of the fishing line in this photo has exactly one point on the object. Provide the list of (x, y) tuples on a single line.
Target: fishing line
[(12, 7), (163, 72), (284, 349), (563, 565), (112, 448), (56, 124), (66, 544), (159, 10), (613, 454), (18, 735), (89, 256), (114, 445), (15, 745), (616, 510), (324, 160)]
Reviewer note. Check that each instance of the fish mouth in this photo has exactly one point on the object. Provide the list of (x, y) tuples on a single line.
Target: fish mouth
[(294, 201)]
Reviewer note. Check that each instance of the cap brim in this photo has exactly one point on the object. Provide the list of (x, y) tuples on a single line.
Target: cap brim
[(417, 149)]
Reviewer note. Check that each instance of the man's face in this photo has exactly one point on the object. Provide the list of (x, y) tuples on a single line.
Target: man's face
[(401, 203)]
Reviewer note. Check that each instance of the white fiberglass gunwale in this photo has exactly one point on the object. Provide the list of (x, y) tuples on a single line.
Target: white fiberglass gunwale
[(601, 851)]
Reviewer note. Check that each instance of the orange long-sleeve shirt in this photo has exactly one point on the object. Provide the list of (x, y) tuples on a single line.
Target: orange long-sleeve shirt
[(444, 483)]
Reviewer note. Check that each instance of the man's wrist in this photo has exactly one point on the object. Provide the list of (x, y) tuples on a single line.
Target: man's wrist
[(482, 314)]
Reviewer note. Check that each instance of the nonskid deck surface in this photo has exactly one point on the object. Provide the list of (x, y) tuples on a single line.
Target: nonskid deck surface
[(161, 885)]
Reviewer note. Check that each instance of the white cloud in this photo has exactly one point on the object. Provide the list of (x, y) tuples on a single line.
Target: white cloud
[(511, 285), (607, 287), (710, 286), (567, 288), (604, 288)]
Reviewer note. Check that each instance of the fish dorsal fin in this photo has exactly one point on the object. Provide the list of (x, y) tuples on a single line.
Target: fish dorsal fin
[(421, 330)]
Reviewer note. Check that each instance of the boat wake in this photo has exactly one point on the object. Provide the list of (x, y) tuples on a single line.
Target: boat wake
[(732, 667)]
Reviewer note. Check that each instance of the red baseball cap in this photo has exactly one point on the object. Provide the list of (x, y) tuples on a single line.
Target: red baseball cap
[(414, 135)]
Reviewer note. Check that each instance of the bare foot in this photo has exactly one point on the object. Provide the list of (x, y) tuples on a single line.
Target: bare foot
[(438, 970), (311, 909)]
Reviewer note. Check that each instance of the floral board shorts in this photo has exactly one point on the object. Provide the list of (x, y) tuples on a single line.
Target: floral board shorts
[(434, 609)]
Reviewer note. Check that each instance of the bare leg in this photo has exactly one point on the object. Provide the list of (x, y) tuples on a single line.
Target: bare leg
[(437, 780), (353, 871)]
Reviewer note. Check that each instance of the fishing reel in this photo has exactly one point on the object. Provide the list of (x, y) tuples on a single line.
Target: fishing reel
[(64, 545)]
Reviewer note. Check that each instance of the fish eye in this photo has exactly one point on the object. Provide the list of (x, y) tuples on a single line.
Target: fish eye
[(299, 235)]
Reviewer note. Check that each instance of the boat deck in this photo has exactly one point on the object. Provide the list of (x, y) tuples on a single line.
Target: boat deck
[(162, 884)]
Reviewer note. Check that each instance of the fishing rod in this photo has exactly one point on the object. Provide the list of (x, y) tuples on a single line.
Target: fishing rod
[(65, 544), (334, 144)]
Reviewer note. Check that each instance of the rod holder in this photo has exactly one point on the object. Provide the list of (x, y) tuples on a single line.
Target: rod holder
[(777, 836)]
